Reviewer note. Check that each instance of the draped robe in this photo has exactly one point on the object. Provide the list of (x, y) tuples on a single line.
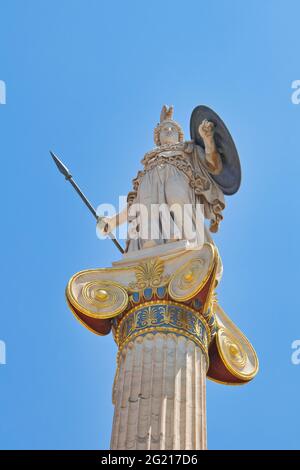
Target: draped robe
[(174, 176)]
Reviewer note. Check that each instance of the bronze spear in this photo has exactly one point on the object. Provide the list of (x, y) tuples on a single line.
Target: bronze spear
[(64, 170)]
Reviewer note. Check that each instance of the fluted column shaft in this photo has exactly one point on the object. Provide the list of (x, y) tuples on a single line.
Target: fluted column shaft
[(160, 394)]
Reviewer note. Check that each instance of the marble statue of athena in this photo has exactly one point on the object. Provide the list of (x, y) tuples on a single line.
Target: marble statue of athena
[(176, 174), (159, 299)]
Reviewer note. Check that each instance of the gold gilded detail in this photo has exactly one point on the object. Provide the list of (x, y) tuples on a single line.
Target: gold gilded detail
[(232, 349), (149, 274), (237, 354), (236, 351), (101, 294), (190, 278), (164, 316), (99, 299)]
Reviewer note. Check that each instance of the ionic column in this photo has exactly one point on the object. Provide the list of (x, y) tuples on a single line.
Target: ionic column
[(159, 394)]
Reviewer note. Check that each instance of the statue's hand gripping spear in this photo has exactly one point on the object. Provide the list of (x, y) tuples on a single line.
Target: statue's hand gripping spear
[(64, 170)]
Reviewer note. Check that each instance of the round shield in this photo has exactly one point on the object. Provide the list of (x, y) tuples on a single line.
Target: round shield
[(229, 179)]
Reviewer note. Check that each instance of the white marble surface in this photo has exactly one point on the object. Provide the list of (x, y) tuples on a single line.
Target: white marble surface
[(160, 395), (159, 250)]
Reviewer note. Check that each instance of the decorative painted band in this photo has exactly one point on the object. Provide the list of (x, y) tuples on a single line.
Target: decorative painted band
[(165, 317)]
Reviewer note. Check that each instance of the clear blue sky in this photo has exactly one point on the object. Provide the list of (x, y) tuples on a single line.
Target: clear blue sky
[(87, 79)]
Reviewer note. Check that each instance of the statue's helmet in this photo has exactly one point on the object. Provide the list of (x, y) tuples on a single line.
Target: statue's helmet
[(166, 116)]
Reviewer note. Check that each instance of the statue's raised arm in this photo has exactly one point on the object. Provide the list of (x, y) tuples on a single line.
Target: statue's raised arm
[(225, 156), (212, 159)]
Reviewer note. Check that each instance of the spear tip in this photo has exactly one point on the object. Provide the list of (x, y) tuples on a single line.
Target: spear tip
[(62, 168)]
